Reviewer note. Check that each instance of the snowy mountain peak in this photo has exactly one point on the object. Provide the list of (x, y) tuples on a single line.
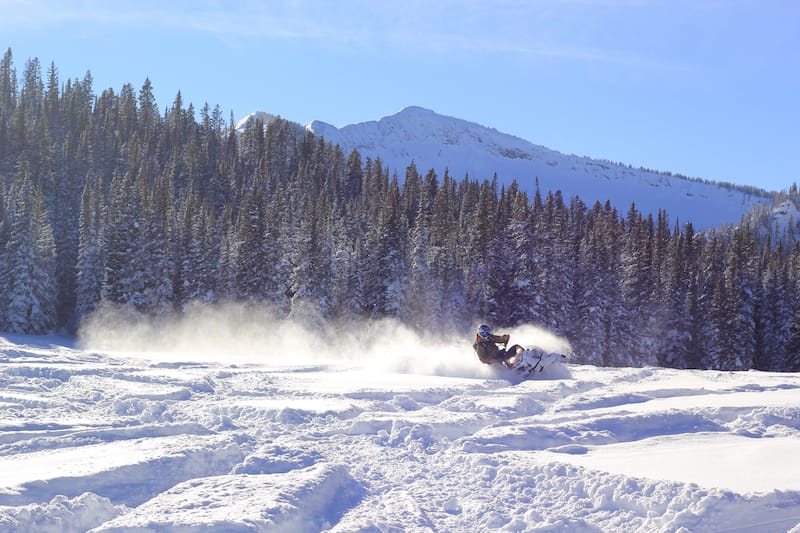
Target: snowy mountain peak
[(433, 141), (265, 118), (415, 109)]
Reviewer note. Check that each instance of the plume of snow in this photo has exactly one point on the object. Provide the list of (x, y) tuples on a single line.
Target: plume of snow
[(237, 333)]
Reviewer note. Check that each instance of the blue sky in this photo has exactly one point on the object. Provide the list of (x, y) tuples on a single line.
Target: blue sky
[(706, 88)]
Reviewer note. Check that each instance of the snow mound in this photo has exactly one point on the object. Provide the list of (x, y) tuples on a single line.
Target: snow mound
[(309, 500), (126, 471), (60, 515)]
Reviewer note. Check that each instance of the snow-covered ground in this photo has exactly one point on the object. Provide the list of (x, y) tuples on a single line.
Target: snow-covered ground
[(415, 437)]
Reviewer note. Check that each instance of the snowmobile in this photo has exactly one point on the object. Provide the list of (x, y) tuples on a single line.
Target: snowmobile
[(533, 360)]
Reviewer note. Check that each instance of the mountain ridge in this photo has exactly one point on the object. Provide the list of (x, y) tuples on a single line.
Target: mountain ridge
[(467, 149)]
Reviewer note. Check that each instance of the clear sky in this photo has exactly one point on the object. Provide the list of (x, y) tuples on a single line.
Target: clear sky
[(706, 88)]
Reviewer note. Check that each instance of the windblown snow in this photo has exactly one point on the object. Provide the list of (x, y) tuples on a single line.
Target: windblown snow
[(414, 437)]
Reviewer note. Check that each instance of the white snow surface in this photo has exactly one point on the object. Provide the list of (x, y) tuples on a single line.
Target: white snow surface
[(440, 142), (418, 436)]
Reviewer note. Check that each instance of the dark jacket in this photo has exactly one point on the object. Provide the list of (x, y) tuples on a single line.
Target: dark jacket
[(488, 350)]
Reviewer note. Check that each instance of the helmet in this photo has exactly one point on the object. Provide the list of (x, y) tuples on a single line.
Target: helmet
[(484, 331)]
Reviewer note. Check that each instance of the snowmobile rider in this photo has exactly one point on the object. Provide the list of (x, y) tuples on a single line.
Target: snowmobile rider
[(486, 346)]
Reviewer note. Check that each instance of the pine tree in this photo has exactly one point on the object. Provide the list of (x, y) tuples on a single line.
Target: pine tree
[(346, 282), (226, 229), (638, 287), (249, 258), (122, 281), (90, 265), (776, 314), (709, 301), (477, 260), (148, 116), (791, 362), (446, 290), (734, 304), (600, 315), (501, 266), (423, 289), (310, 282), (5, 223), (521, 259), (673, 350), (155, 289), (197, 256), (32, 93), (31, 297), (8, 102), (555, 258), (43, 316), (384, 265), (745, 287)]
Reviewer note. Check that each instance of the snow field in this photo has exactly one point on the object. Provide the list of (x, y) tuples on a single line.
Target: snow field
[(146, 442)]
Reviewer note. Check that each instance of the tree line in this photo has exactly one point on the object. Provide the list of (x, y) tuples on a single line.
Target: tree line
[(108, 201)]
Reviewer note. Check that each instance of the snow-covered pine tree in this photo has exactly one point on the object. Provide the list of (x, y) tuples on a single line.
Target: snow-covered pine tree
[(674, 344), (90, 266), (346, 283), (199, 266), (226, 234), (249, 247), (309, 281), (384, 262), (501, 267), (521, 257), (775, 313), (154, 260), (638, 286), (122, 282), (555, 258), (8, 104), (43, 314), (479, 210), (449, 309), (30, 301), (601, 288), (422, 295), (5, 223)]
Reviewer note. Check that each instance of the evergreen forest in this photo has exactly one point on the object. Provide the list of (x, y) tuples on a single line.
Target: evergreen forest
[(107, 200)]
